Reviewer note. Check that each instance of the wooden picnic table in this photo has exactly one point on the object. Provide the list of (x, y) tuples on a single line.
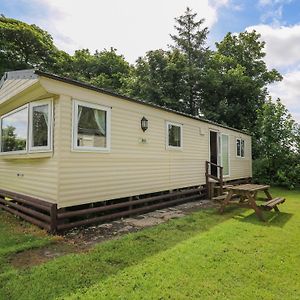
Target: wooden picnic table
[(248, 196)]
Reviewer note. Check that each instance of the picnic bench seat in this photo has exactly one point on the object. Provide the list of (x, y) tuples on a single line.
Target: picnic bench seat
[(273, 203)]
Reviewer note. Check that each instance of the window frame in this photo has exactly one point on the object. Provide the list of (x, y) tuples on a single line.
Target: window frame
[(168, 147), (26, 106), (29, 149), (74, 147), (36, 149), (236, 149)]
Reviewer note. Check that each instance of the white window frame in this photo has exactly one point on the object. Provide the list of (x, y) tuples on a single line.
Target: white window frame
[(74, 146), (168, 147), (227, 175), (240, 155), (50, 126), (7, 115)]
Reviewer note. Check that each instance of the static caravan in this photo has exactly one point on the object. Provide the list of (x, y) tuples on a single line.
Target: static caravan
[(69, 149)]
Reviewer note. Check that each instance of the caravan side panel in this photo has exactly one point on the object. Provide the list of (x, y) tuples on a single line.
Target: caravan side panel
[(133, 167)]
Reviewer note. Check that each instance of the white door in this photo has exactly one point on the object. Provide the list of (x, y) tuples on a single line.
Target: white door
[(224, 157)]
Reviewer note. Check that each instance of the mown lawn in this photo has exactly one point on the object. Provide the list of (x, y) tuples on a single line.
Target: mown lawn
[(201, 256)]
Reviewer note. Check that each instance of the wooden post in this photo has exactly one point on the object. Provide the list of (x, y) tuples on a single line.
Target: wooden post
[(221, 180), (207, 181), (53, 216), (130, 206)]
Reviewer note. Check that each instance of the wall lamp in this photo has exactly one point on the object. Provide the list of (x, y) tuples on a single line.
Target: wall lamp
[(144, 124)]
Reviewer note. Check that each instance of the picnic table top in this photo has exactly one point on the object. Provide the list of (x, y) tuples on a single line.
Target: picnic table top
[(249, 187)]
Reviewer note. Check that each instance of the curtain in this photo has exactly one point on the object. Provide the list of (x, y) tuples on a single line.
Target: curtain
[(42, 110), (79, 112), (100, 117)]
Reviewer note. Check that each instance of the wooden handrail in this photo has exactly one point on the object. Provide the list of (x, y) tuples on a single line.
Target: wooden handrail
[(208, 175), (213, 164)]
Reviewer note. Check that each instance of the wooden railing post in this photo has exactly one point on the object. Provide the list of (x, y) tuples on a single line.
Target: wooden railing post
[(206, 180), (221, 180)]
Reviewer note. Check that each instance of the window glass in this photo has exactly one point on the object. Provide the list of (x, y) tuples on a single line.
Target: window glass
[(225, 154), (14, 131), (242, 148), (40, 125), (174, 135), (238, 147), (91, 129)]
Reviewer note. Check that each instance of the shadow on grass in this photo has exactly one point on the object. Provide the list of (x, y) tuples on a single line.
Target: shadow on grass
[(278, 219)]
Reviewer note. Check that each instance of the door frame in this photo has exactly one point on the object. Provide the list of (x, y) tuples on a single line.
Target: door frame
[(218, 148)]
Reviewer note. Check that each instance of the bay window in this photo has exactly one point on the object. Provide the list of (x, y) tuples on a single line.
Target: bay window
[(40, 129), (14, 130), (27, 129)]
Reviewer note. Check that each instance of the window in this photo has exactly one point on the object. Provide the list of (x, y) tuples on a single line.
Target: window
[(174, 136), (225, 154), (40, 125), (240, 148), (27, 129), (14, 131), (91, 127)]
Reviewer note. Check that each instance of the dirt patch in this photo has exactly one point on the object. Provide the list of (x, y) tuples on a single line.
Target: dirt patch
[(88, 236), (82, 239), (39, 256), (142, 223)]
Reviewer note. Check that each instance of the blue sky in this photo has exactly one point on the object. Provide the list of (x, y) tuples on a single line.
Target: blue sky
[(136, 26)]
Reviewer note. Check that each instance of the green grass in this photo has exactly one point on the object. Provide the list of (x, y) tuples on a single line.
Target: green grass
[(16, 236), (204, 255)]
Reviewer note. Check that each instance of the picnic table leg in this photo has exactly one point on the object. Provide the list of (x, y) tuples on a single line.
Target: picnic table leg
[(242, 199), (225, 202), (253, 205), (269, 196)]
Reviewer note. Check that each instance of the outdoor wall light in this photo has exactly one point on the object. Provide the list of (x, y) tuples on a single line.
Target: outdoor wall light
[(144, 124)]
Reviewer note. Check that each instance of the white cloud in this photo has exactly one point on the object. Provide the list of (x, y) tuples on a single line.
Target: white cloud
[(282, 44), (265, 2), (272, 10), (288, 90), (273, 2), (133, 27)]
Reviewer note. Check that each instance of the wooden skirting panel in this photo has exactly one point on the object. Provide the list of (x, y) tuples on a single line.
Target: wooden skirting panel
[(47, 216), (33, 210)]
